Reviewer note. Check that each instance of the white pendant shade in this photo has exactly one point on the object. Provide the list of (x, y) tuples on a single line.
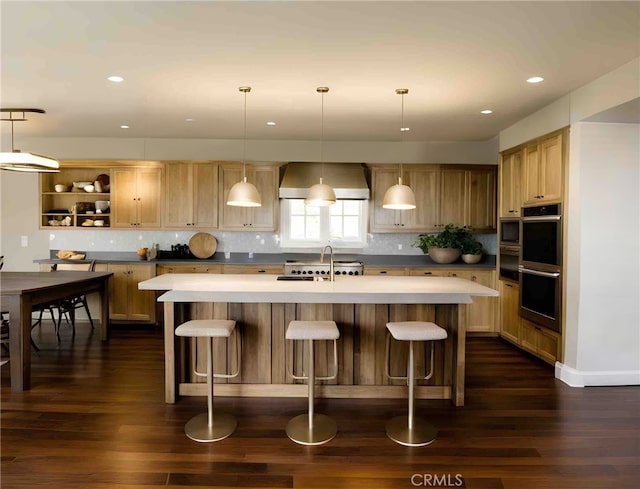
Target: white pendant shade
[(399, 197), (321, 195), (244, 194)]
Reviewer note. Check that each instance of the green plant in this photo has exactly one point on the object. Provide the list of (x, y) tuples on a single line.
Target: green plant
[(471, 247), (451, 237)]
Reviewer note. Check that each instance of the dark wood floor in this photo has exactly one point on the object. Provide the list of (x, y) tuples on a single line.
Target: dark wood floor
[(95, 418)]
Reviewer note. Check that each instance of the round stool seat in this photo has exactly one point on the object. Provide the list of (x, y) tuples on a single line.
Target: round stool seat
[(207, 328), (416, 331), (312, 330)]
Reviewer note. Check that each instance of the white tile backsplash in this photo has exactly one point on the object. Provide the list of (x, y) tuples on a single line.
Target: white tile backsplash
[(124, 240)]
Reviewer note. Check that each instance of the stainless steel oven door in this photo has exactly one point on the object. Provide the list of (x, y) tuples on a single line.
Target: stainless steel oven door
[(541, 242), (509, 260), (540, 294)]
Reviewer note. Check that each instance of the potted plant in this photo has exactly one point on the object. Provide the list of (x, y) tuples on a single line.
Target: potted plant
[(471, 250), (444, 247)]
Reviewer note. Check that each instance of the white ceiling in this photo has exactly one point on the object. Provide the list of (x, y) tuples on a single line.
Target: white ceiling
[(186, 60)]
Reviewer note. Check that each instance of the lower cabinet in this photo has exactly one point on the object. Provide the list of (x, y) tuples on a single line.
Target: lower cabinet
[(535, 339), (540, 341), (266, 269), (126, 302), (510, 321)]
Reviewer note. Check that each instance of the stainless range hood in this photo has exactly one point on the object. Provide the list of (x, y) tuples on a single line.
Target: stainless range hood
[(347, 180)]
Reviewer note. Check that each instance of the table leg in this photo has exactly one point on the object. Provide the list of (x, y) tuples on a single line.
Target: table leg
[(104, 310), (19, 309), (169, 354)]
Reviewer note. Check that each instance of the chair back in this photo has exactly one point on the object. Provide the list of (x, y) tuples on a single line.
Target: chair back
[(81, 267)]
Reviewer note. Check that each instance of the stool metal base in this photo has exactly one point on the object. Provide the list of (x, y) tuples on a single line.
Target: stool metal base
[(324, 429), (422, 433), (198, 429)]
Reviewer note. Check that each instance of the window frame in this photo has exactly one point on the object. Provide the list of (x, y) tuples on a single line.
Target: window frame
[(289, 244)]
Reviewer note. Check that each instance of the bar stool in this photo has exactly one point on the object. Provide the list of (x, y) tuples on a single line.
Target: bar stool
[(408, 430), (205, 427), (311, 428)]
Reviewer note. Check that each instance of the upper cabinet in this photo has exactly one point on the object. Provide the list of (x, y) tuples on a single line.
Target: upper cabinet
[(191, 195), (66, 204), (511, 183), (136, 197), (263, 218), (543, 169), (423, 180), (468, 198), (464, 196)]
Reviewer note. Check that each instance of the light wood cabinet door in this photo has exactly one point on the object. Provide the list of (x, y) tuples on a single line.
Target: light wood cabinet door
[(509, 311), (548, 345), (262, 218), (424, 180), (453, 185), (551, 156), (136, 197), (481, 201), (162, 269), (528, 337), (482, 313), (126, 301), (511, 184), (543, 175), (191, 195), (177, 195)]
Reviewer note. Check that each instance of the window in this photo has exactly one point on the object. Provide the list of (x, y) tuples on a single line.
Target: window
[(343, 225)]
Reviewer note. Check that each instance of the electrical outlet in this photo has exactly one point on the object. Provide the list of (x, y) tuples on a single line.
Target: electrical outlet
[(399, 247), (24, 241)]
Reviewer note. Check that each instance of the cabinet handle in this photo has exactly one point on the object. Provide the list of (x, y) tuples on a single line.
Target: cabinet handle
[(474, 278), (454, 275), (383, 272), (262, 271), (138, 199), (402, 224), (508, 285), (427, 273)]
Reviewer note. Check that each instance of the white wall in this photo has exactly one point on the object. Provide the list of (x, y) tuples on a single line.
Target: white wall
[(604, 243)]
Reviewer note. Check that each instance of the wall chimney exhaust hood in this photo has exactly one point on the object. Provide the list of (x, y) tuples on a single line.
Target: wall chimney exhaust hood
[(347, 180)]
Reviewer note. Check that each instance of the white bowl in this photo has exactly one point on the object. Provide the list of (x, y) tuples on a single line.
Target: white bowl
[(81, 184), (102, 205), (98, 222), (88, 188), (60, 188)]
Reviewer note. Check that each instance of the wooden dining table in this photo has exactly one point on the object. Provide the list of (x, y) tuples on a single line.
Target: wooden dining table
[(22, 291)]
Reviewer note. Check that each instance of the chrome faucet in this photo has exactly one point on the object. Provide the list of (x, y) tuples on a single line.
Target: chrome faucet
[(332, 277)]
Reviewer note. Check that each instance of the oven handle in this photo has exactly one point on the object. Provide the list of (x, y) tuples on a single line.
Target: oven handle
[(541, 218), (539, 273)]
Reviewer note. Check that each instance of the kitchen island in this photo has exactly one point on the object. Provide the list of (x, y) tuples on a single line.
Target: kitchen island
[(262, 306)]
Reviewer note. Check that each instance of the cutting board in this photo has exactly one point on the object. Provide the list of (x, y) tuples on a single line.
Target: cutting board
[(202, 245)]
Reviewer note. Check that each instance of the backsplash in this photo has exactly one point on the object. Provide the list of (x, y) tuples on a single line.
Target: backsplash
[(108, 240)]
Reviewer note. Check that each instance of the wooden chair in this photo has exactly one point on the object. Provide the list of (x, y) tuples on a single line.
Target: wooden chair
[(67, 308)]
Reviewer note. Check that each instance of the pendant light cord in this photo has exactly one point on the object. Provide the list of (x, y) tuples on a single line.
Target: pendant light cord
[(244, 138)]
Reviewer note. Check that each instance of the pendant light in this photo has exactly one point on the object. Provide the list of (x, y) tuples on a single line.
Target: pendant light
[(321, 194), (25, 162), (243, 193), (400, 196)]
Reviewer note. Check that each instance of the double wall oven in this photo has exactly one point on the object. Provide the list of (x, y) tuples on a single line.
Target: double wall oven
[(541, 264)]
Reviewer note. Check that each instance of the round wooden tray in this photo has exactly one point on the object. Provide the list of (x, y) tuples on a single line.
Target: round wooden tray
[(202, 245)]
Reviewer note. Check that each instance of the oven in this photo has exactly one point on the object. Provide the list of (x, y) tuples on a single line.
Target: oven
[(509, 261), (540, 265), (510, 232), (541, 237)]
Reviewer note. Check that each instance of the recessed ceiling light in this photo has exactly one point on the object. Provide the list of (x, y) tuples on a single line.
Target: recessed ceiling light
[(405, 129), (535, 79), (188, 119), (124, 127), (271, 123), (115, 79), (486, 111)]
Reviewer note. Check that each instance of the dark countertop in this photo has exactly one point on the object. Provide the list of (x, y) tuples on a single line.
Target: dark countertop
[(488, 261)]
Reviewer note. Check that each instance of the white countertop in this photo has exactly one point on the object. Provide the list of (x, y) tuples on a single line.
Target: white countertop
[(345, 290)]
